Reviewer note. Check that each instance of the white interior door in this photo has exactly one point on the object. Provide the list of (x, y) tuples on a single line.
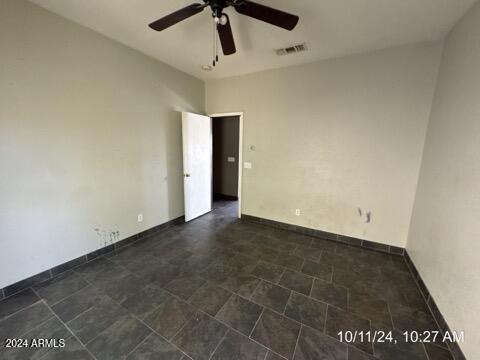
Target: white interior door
[(197, 164)]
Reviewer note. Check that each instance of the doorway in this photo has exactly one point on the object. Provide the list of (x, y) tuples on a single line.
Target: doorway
[(212, 159), (226, 160)]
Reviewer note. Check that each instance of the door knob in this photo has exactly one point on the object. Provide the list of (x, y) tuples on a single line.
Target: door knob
[(186, 175)]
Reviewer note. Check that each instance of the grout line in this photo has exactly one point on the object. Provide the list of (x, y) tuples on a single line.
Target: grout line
[(325, 324), (296, 342), (140, 320), (16, 312), (218, 345), (425, 351), (70, 330), (311, 288), (138, 345), (256, 323)]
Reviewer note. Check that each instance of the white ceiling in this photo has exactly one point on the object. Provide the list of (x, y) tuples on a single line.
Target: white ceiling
[(331, 28)]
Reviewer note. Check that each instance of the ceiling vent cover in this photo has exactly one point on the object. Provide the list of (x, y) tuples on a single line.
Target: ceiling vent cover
[(291, 49)]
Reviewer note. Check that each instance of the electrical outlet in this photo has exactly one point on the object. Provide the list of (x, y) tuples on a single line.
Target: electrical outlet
[(247, 165), (140, 217), (297, 212)]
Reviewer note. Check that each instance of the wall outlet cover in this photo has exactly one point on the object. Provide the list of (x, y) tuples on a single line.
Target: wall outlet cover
[(247, 165), (140, 217)]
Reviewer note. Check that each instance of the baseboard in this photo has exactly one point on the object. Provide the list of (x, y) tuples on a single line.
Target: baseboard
[(367, 244), (432, 306), (54, 271)]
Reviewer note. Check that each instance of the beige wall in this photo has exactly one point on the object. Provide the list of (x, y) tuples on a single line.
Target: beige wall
[(444, 239), (89, 138), (334, 136)]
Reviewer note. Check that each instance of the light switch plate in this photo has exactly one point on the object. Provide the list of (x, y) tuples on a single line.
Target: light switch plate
[(247, 165)]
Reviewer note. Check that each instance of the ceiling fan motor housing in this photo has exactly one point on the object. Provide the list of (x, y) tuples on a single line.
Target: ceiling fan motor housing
[(217, 7)]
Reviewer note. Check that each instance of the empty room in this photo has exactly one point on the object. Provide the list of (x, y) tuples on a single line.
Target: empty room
[(240, 180)]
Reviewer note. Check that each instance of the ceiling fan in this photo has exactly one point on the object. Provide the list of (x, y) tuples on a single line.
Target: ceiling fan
[(222, 22)]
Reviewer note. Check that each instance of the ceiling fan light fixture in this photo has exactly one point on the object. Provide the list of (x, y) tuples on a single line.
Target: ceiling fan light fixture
[(222, 20)]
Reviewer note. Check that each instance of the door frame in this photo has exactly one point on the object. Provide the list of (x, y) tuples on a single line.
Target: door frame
[(240, 153)]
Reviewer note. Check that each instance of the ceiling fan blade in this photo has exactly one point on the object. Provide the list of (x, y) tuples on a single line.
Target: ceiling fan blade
[(267, 14), (226, 38), (176, 17)]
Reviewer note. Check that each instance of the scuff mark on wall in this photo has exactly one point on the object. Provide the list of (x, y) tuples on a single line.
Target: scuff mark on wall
[(369, 217), (107, 237)]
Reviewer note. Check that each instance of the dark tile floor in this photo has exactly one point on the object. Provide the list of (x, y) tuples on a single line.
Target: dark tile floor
[(217, 288)]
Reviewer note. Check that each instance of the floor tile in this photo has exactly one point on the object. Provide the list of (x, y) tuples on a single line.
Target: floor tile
[(318, 270), (24, 320), (272, 296), (73, 350), (243, 247), (339, 320), (146, 301), (273, 356), (17, 302), (268, 271), (50, 329), (243, 263), (264, 253), (210, 298), (292, 262), (180, 257), (185, 285), (308, 253), (405, 318), (355, 354), (155, 348), (312, 344), (324, 245), (306, 311), (437, 353), (373, 309), (161, 274), (330, 293), (241, 284), (26, 283), (238, 347), (79, 302), (200, 336), (124, 287), (216, 273), (336, 260), (170, 316), (400, 350), (95, 268), (240, 314), (296, 281), (92, 322), (119, 339), (277, 332)]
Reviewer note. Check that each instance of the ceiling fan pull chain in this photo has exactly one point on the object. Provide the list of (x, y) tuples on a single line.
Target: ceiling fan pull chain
[(214, 41)]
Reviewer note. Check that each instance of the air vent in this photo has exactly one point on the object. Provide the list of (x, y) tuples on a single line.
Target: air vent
[(291, 49)]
